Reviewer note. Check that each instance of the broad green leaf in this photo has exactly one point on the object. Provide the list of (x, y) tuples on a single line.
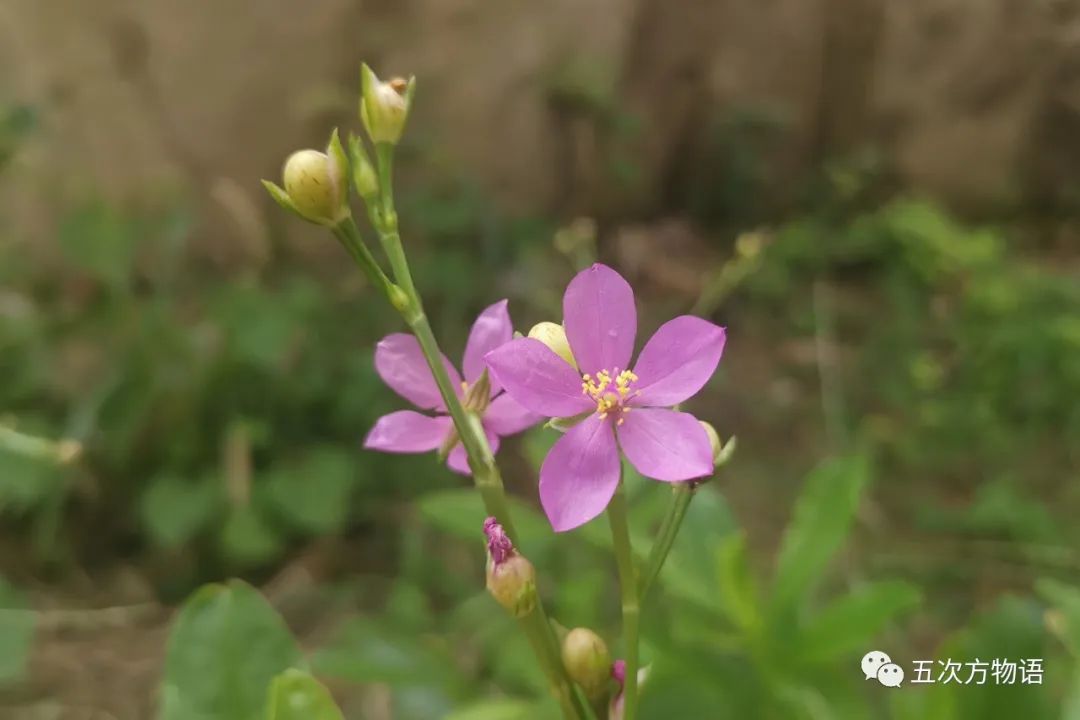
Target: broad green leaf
[(16, 633), (503, 709), (823, 516), (313, 495), (174, 510), (850, 623), (295, 695), (738, 593), (372, 650), (225, 647)]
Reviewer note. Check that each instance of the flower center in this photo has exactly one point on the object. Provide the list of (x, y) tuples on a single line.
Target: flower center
[(611, 390)]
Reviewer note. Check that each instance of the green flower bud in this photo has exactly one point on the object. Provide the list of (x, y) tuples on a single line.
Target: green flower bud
[(365, 179), (315, 184), (554, 336), (384, 106), (587, 661)]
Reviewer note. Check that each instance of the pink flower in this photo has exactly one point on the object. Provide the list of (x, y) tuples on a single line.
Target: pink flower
[(400, 363), (624, 408)]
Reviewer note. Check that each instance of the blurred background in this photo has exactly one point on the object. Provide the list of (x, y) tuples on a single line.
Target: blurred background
[(880, 200)]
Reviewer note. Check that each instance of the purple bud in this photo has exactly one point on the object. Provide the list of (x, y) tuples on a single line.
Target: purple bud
[(511, 579), (499, 546)]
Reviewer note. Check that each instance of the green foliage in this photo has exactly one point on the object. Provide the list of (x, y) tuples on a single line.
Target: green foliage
[(16, 633), (295, 695), (226, 646), (823, 516)]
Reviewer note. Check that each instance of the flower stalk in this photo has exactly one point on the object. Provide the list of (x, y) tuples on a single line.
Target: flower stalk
[(485, 472), (681, 496), (631, 610)]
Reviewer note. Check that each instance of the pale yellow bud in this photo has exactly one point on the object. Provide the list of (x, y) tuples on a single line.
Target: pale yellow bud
[(714, 439), (512, 582), (316, 191), (554, 336), (384, 106), (587, 661)]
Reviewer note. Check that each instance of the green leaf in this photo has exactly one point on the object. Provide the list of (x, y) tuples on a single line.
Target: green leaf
[(502, 709), (226, 645), (101, 242), (16, 633), (739, 596), (371, 650), (313, 496), (850, 624), (247, 539), (175, 510), (295, 695), (823, 516), (1066, 600), (690, 570)]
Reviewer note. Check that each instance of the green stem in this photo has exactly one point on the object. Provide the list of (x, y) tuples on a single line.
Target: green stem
[(624, 560), (485, 472), (681, 496), (349, 236), (537, 629)]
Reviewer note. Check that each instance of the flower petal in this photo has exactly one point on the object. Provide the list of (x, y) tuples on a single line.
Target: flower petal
[(458, 460), (537, 378), (506, 416), (580, 474), (600, 319), (401, 364), (665, 444), (677, 361), (406, 431), (491, 329)]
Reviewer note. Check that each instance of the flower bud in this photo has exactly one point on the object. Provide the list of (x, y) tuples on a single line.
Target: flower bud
[(384, 106), (587, 661), (618, 674), (365, 180), (511, 579), (554, 336), (315, 184), (714, 439)]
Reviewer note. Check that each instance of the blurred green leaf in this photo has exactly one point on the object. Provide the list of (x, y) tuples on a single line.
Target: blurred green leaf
[(16, 633), (225, 647), (313, 495), (174, 510), (295, 695), (1065, 599), (738, 594), (370, 650), (26, 481), (248, 539), (849, 624), (690, 570), (460, 512), (502, 709), (101, 242), (823, 515)]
